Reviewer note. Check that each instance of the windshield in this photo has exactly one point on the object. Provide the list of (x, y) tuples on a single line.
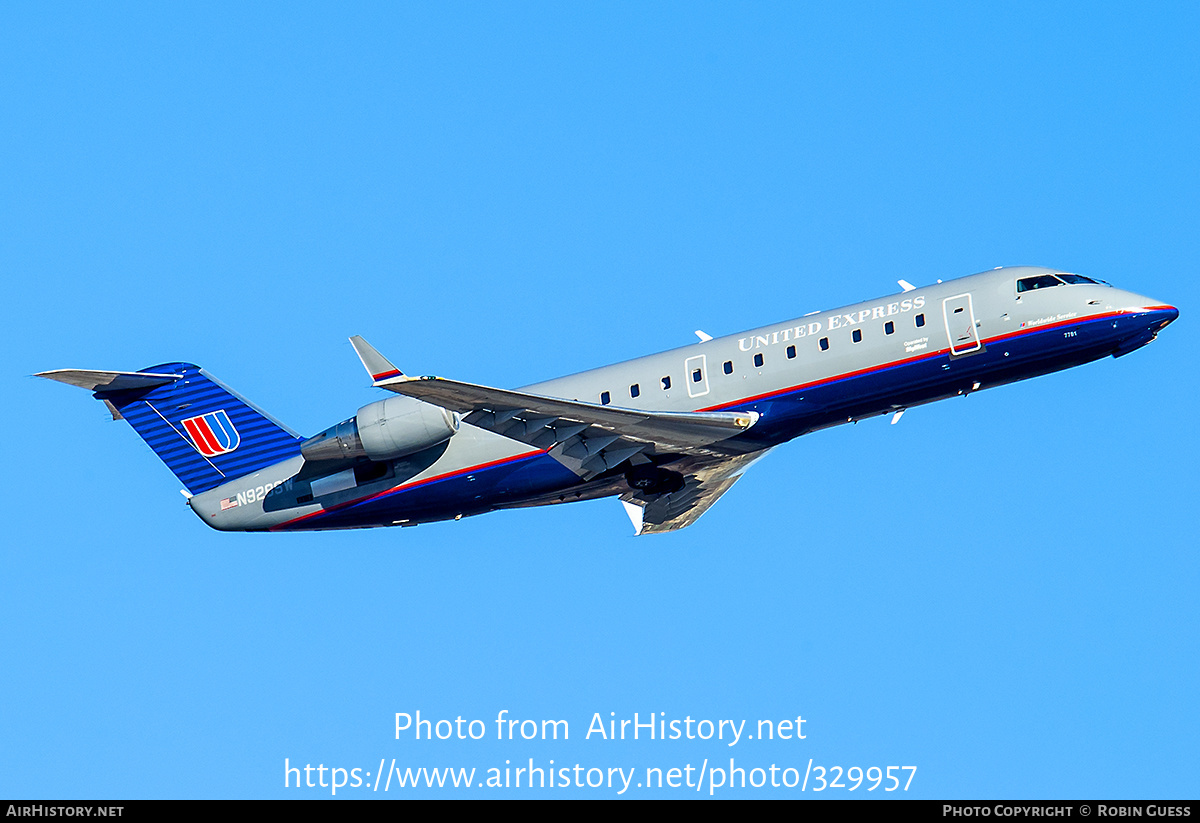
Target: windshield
[(1047, 281), (1042, 281)]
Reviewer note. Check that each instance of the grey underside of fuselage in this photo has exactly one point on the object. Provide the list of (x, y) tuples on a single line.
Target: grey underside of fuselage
[(793, 360)]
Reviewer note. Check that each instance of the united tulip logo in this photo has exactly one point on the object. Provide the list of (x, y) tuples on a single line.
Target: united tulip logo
[(212, 433)]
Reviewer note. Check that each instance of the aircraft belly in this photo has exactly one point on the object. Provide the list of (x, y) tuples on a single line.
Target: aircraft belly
[(465, 491), (478, 470)]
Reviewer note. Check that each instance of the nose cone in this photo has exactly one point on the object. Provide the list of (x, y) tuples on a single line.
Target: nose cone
[(1155, 314), (1159, 316), (1146, 318)]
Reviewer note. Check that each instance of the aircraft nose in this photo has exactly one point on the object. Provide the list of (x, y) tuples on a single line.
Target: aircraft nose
[(1157, 315), (1163, 315), (1146, 318)]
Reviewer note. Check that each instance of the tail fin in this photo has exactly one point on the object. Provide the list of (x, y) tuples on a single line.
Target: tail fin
[(204, 432)]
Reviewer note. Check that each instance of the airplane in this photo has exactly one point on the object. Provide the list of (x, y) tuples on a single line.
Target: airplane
[(667, 434)]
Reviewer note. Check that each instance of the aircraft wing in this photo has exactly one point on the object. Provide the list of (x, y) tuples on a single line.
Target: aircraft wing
[(704, 484), (585, 437)]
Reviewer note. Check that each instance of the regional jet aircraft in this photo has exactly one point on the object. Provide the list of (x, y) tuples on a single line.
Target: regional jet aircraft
[(668, 434)]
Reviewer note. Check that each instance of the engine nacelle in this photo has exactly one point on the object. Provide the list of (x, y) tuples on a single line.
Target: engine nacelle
[(400, 426), (385, 430)]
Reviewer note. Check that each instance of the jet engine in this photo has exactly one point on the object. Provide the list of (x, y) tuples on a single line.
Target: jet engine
[(385, 430)]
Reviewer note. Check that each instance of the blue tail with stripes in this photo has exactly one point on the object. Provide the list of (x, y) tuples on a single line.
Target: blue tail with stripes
[(206, 433)]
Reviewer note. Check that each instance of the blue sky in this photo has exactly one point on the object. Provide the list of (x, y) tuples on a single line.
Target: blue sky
[(999, 590)]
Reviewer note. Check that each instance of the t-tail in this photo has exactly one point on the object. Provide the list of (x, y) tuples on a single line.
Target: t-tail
[(206, 433)]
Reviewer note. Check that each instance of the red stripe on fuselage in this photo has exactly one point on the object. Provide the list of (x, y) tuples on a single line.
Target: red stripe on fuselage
[(918, 358)]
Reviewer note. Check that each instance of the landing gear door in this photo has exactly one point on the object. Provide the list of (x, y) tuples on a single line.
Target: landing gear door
[(959, 314), (695, 374)]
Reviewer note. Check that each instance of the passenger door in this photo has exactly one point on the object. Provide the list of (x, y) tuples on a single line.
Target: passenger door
[(959, 314)]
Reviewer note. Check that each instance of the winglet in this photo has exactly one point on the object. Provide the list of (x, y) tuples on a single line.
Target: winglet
[(378, 366)]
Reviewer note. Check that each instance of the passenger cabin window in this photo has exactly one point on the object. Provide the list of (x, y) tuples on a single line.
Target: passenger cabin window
[(635, 390), (791, 352), (666, 383), (758, 360), (697, 376), (857, 336), (824, 344), (920, 320), (1042, 281), (889, 327), (728, 367), (605, 398)]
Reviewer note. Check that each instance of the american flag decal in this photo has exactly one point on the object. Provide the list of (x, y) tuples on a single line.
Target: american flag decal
[(212, 433), (228, 503)]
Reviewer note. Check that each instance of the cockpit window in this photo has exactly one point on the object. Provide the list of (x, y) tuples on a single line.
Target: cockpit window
[(1043, 281), (1076, 279)]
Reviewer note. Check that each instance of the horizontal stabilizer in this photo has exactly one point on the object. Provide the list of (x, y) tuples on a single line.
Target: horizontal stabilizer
[(107, 381), (205, 433)]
